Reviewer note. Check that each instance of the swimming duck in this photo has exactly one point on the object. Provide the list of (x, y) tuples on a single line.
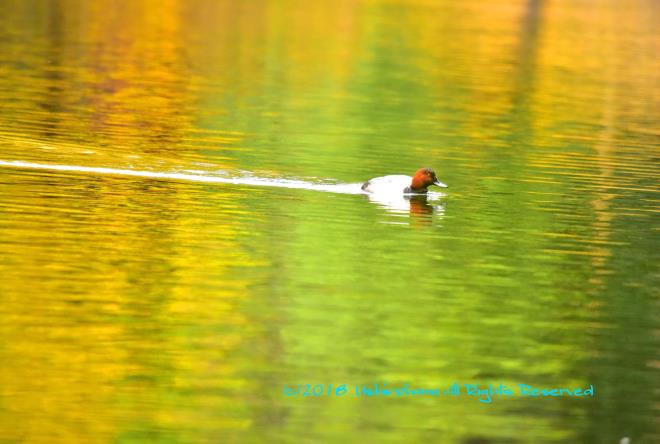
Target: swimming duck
[(400, 184)]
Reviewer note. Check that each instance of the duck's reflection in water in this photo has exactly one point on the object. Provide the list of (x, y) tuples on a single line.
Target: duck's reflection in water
[(418, 206)]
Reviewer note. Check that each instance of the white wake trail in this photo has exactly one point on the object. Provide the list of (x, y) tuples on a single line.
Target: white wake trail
[(203, 178)]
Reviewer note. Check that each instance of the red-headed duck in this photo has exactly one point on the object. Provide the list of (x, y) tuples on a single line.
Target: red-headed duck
[(399, 184)]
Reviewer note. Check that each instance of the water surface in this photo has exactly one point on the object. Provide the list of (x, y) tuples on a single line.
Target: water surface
[(155, 290)]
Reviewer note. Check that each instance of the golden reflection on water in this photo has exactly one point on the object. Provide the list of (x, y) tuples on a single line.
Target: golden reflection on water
[(142, 310), (97, 314)]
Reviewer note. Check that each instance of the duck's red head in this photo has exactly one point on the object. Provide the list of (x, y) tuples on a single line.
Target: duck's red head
[(423, 178)]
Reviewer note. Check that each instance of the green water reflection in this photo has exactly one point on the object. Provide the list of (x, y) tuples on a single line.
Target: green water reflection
[(143, 310)]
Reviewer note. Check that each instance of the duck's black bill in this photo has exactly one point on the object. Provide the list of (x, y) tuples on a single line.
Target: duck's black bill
[(440, 184)]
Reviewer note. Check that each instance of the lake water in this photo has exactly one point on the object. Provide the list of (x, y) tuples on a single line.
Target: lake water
[(182, 236)]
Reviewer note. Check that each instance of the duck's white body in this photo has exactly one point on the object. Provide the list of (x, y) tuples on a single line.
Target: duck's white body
[(398, 184), (394, 184)]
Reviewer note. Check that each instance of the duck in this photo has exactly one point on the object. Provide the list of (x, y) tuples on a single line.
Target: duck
[(400, 184)]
